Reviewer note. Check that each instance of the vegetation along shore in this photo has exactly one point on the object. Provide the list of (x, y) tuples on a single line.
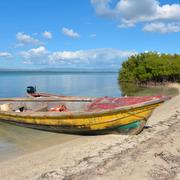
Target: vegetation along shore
[(151, 68)]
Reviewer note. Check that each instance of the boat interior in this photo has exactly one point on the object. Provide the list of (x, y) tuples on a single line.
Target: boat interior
[(61, 106), (69, 105)]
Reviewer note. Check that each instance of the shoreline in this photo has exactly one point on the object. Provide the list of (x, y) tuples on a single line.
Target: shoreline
[(154, 85), (109, 156)]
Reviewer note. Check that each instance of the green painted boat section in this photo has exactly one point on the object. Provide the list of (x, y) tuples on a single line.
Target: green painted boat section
[(130, 126)]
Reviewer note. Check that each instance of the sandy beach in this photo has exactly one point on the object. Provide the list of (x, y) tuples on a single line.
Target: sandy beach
[(154, 154)]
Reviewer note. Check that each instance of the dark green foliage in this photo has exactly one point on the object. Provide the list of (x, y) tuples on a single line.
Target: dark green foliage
[(151, 68)]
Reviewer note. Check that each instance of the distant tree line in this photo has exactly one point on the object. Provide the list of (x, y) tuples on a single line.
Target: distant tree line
[(151, 67)]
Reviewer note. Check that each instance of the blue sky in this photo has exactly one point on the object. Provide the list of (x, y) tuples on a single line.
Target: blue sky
[(85, 33)]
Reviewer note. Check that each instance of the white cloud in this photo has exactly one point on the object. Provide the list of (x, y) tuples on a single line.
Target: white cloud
[(131, 12), (47, 34), (93, 35), (5, 55), (106, 53), (70, 32), (23, 38), (102, 8), (162, 27), (35, 55), (91, 58)]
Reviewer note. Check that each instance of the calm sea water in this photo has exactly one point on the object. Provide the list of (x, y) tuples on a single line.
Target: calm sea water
[(80, 84), (14, 140)]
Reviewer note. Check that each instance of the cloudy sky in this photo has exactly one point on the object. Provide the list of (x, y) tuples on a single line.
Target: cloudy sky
[(85, 33)]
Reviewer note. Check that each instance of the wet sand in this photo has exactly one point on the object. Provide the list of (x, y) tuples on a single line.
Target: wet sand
[(16, 141), (153, 154)]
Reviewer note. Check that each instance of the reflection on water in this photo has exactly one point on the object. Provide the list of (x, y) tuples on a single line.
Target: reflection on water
[(130, 89)]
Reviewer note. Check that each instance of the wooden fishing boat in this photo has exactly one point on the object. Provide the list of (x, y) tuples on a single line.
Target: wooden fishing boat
[(80, 115)]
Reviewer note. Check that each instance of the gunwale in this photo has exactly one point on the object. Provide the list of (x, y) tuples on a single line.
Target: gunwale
[(73, 114)]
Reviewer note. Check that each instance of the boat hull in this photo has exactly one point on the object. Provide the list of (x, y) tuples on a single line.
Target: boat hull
[(130, 121), (129, 129)]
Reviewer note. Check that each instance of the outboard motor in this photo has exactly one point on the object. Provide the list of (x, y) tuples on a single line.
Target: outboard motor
[(31, 89)]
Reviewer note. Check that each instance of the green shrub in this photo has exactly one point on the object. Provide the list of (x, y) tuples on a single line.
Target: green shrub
[(151, 67)]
